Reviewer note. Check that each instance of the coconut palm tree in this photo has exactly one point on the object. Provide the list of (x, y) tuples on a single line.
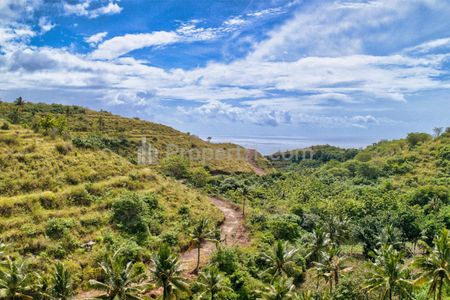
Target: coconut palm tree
[(120, 282), (281, 261), (331, 266), (388, 274), (202, 232), (166, 271), (282, 289), (16, 282), (316, 242), (435, 265), (62, 286), (337, 229), (212, 282)]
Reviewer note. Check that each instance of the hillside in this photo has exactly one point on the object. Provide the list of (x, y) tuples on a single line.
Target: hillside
[(55, 199), (88, 128)]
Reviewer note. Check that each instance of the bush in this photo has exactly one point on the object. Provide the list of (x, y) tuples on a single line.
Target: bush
[(199, 177), (63, 149), (416, 138), (56, 228), (226, 260), (423, 195), (5, 126), (175, 166), (48, 200), (285, 227), (131, 214), (80, 197)]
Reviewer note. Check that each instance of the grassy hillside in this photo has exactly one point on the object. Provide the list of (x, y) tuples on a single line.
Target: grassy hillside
[(336, 213), (55, 198), (123, 135)]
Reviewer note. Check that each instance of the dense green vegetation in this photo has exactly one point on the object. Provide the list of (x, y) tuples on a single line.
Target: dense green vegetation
[(80, 219)]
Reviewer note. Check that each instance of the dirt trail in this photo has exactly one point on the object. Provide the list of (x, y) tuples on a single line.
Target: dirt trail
[(232, 230), (250, 156), (233, 233)]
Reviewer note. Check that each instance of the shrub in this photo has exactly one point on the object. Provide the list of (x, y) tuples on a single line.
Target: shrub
[(63, 149), (199, 177), (175, 166), (48, 200), (423, 195), (285, 227), (416, 138), (80, 197), (56, 228), (131, 214), (226, 260), (5, 126), (9, 140)]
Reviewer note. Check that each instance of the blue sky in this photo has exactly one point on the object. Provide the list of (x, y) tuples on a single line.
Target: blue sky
[(342, 72)]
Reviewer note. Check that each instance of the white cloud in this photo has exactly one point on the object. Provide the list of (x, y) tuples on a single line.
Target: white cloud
[(93, 40), (84, 9), (120, 45), (45, 24)]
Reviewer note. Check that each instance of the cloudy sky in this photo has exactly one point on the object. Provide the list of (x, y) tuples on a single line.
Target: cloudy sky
[(273, 73)]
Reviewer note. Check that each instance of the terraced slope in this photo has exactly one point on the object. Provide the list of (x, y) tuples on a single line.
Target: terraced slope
[(56, 202), (124, 135)]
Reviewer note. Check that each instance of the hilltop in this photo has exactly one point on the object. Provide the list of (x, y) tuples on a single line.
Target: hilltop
[(100, 129)]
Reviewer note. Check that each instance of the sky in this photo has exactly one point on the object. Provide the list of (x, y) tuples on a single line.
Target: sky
[(271, 75)]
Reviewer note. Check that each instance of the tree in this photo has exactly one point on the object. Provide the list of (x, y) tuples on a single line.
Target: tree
[(62, 286), (392, 236), (435, 265), (166, 271), (281, 261), (438, 131), (282, 289), (19, 101), (317, 241), (212, 282), (337, 229), (388, 275), (416, 138), (120, 280), (331, 266), (202, 232), (16, 282)]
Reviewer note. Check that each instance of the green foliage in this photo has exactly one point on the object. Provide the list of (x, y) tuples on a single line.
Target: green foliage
[(166, 271), (132, 213), (199, 177), (417, 138), (61, 284), (5, 126), (285, 227), (175, 166), (56, 228)]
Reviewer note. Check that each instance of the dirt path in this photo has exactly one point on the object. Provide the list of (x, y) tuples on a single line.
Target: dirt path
[(232, 230), (250, 156), (233, 233)]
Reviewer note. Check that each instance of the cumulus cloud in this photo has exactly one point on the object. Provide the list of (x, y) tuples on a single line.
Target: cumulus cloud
[(45, 24), (93, 40), (85, 9)]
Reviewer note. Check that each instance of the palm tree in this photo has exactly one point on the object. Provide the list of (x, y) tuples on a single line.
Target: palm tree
[(202, 232), (435, 265), (166, 271), (62, 287), (317, 241), (282, 289), (212, 282), (388, 275), (337, 229), (16, 282), (281, 261), (120, 282), (331, 266), (390, 235)]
